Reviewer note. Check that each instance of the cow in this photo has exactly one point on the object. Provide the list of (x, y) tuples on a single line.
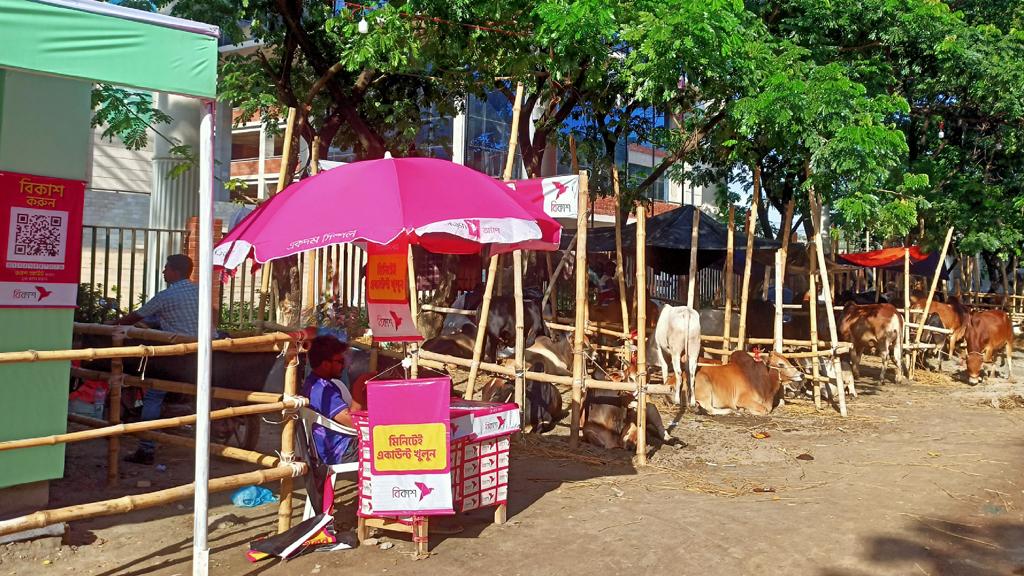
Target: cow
[(501, 322), (543, 402), (458, 323), (987, 332), (751, 383), (868, 297), (459, 345), (677, 334), (953, 315), (608, 419), (875, 327), (553, 354), (937, 339)]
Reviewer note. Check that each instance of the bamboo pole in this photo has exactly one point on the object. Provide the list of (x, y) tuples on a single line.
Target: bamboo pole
[(931, 290), (905, 335), (221, 450), (691, 282), (620, 273), (291, 388), (520, 351), (551, 292), (312, 257), (730, 252), (777, 328), (132, 332), (748, 259), (813, 283), (179, 387), (478, 344), (581, 310), (286, 154), (787, 227), (114, 393), (414, 303), (552, 289), (121, 429), (826, 289), (143, 350), (641, 331), (127, 504)]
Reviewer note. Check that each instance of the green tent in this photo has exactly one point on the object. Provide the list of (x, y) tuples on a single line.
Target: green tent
[(51, 54)]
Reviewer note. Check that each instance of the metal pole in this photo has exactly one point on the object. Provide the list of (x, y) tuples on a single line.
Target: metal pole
[(200, 552)]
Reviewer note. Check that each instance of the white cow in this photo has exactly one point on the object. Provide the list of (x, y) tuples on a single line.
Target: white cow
[(678, 335)]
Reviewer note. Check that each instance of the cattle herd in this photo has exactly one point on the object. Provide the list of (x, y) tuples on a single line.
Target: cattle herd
[(751, 380)]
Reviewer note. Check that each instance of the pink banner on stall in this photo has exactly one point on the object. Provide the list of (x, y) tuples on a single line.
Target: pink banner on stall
[(387, 293), (40, 240), (410, 444)]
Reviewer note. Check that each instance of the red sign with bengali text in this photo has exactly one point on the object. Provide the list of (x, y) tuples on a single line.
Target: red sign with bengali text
[(40, 240)]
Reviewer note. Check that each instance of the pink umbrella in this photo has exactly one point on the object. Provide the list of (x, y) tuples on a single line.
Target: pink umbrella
[(443, 206)]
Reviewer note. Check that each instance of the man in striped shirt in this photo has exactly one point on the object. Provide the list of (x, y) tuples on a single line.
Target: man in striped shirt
[(175, 309)]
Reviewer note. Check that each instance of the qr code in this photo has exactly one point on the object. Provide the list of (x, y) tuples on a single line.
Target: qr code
[(37, 235)]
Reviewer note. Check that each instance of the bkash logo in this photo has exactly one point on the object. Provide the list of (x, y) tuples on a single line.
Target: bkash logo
[(559, 189), (43, 293), (396, 318), (473, 229), (424, 490)]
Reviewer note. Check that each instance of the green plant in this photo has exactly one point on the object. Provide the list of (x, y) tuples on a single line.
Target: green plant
[(94, 306)]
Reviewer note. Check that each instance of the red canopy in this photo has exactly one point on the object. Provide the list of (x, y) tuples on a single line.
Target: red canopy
[(883, 258)]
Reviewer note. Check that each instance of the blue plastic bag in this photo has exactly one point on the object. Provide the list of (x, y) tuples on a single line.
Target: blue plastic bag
[(252, 496)]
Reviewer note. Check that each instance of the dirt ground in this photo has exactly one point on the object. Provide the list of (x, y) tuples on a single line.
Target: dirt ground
[(923, 479)]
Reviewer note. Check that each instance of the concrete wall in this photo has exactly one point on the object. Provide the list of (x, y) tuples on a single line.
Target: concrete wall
[(44, 130)]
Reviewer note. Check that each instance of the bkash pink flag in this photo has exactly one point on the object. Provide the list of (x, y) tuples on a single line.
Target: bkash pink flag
[(387, 294)]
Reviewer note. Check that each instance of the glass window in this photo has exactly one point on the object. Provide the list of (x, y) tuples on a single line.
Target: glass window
[(488, 125), (245, 145)]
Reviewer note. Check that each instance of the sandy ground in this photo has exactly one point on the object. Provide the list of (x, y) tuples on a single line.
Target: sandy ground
[(924, 479)]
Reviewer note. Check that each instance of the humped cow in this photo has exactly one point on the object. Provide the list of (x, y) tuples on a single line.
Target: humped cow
[(875, 327), (752, 383), (678, 335), (988, 332)]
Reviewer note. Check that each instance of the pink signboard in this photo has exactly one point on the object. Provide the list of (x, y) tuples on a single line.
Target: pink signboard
[(387, 293), (410, 441), (40, 240)]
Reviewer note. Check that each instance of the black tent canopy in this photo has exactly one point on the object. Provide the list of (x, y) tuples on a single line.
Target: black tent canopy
[(668, 241)]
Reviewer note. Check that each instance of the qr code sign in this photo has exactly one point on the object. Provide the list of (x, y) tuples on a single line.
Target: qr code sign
[(37, 235)]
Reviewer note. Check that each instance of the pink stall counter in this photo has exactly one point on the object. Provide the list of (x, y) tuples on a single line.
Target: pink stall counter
[(480, 449)]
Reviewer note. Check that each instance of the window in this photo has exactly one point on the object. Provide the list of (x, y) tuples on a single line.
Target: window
[(488, 125), (245, 145)]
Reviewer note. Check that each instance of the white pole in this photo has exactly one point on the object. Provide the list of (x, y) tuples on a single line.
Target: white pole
[(200, 552)]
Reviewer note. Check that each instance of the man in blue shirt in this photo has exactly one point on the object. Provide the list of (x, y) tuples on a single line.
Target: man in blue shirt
[(175, 309), (326, 361)]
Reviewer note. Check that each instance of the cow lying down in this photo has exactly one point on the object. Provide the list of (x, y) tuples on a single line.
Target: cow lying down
[(543, 401), (751, 383), (609, 420)]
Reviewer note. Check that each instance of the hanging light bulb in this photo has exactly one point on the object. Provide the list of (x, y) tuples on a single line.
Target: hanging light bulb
[(942, 134), (364, 26)]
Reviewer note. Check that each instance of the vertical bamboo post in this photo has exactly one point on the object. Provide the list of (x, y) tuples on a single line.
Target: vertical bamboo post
[(285, 155), (312, 257), (777, 331), (748, 260), (619, 256), (931, 289), (906, 315), (812, 266), (641, 333), (730, 251), (520, 382), (478, 345), (114, 384), (581, 310), (552, 289), (414, 306), (291, 388), (691, 281), (830, 312)]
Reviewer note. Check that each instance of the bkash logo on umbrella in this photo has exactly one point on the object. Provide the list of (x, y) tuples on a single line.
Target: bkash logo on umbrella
[(473, 229)]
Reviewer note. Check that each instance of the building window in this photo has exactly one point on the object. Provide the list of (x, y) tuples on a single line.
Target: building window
[(245, 145), (488, 125)]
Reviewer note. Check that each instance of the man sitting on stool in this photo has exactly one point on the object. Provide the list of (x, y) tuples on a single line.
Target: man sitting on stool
[(175, 309)]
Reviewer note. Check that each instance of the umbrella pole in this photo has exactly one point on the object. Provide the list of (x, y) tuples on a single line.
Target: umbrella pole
[(481, 329), (730, 252), (748, 260), (581, 311), (414, 305), (641, 335), (517, 279)]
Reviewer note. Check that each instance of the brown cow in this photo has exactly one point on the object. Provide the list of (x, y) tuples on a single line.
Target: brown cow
[(608, 418), (987, 332), (543, 401), (875, 327), (744, 383), (953, 316)]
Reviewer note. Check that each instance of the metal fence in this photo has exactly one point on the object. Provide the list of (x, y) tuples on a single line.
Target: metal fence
[(123, 263)]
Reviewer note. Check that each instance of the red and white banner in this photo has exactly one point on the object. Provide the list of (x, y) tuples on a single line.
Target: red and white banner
[(387, 294), (40, 240), (558, 194)]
